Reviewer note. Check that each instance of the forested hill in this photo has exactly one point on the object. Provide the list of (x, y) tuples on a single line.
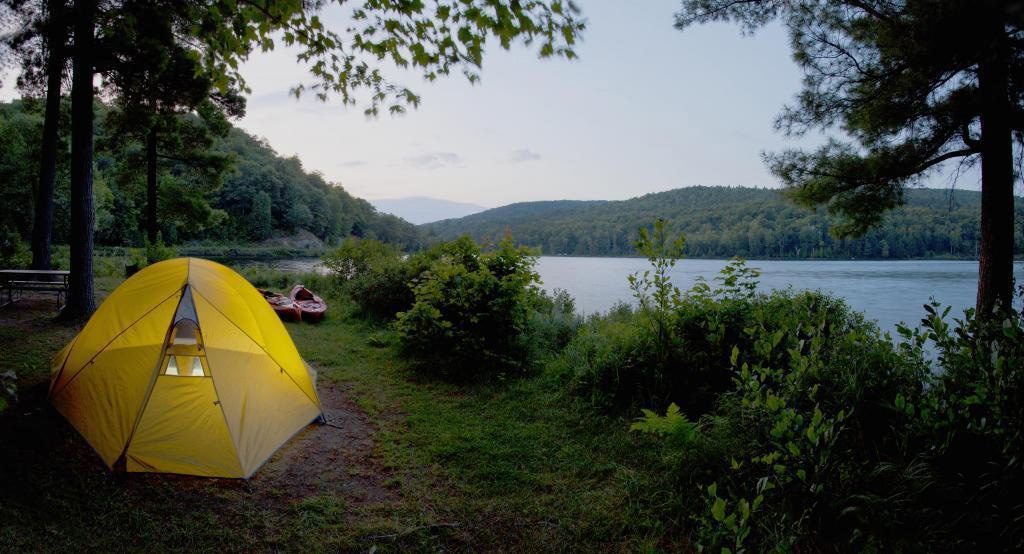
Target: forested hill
[(298, 199), (721, 222), (261, 195)]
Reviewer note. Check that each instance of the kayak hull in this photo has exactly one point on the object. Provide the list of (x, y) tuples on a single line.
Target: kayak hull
[(284, 307), (313, 307)]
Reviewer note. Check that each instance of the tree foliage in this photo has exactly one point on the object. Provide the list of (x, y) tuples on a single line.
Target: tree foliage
[(433, 38), (897, 78), (905, 86)]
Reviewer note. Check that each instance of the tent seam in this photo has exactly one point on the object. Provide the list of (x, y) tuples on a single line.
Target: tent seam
[(315, 401), (50, 392), (152, 383), (111, 341)]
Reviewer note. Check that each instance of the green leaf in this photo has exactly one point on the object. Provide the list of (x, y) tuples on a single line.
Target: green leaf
[(793, 449), (718, 509)]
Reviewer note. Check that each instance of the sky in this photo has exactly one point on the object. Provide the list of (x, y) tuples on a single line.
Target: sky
[(645, 108)]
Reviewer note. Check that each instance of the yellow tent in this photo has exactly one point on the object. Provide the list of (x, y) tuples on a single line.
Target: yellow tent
[(184, 369)]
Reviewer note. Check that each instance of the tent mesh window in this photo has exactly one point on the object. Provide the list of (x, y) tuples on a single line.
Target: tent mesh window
[(184, 354)]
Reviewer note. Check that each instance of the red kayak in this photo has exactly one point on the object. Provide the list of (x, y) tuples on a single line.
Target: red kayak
[(312, 306), (283, 306)]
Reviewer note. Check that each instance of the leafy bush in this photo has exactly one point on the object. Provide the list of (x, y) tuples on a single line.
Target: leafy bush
[(158, 251), (794, 424), (354, 256), (827, 434), (970, 425), (916, 446), (472, 310), (374, 275), (816, 418), (553, 323)]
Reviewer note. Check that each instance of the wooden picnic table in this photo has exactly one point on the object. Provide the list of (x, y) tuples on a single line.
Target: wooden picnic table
[(40, 280)]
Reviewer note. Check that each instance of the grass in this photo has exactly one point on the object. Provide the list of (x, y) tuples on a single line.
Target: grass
[(504, 466)]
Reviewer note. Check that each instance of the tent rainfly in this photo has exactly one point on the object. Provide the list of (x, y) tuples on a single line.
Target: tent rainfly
[(184, 369)]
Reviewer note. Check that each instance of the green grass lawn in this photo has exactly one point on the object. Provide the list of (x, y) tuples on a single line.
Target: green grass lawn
[(506, 466)]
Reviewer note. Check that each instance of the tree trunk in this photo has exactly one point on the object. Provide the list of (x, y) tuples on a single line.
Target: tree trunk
[(995, 271), (151, 222), (42, 226), (81, 301)]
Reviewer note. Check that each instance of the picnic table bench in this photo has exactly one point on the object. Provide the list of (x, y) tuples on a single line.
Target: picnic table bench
[(34, 280)]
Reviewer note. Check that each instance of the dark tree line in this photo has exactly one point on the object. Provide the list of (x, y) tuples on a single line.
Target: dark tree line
[(252, 194), (721, 222)]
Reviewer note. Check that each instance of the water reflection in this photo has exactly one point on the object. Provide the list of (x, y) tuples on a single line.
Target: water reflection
[(888, 292)]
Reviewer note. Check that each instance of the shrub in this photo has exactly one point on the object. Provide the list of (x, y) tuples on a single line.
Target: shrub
[(374, 275), (471, 311), (355, 255), (790, 422), (553, 323), (971, 426), (816, 418), (833, 437), (158, 251)]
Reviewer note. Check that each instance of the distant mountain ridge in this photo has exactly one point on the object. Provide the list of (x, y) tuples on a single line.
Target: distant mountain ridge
[(424, 209), (721, 222)]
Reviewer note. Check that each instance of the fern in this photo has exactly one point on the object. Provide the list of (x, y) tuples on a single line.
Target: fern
[(673, 424)]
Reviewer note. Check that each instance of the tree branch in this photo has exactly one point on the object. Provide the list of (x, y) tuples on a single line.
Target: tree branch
[(868, 9), (947, 156)]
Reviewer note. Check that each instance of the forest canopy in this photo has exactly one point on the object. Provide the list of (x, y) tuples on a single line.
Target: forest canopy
[(260, 196), (721, 222)]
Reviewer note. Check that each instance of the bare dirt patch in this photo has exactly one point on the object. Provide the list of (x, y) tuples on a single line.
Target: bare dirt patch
[(334, 459)]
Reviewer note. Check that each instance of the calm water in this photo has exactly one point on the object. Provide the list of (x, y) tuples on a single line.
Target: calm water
[(889, 292)]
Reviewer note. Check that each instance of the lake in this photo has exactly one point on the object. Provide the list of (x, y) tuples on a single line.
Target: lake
[(887, 291)]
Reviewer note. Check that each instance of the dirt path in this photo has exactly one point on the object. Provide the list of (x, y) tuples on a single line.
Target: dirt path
[(334, 459)]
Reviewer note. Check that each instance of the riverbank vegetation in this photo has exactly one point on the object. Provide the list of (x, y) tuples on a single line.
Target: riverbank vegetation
[(779, 420)]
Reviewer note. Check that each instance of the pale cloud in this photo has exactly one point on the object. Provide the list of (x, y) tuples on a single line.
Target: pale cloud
[(353, 163), (523, 155), (434, 160)]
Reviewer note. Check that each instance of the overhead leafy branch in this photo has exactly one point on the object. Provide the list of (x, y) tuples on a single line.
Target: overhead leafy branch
[(435, 38)]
